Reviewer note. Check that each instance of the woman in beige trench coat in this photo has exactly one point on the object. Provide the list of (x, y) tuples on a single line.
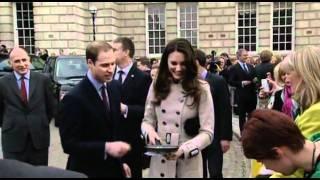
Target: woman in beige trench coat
[(175, 96)]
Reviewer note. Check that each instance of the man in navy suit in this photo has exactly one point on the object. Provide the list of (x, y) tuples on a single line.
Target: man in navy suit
[(135, 87), (242, 77), (213, 154), (90, 119)]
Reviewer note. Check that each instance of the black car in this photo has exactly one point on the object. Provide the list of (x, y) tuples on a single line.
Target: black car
[(65, 72), (37, 64)]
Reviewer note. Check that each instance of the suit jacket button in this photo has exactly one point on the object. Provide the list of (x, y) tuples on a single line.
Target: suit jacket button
[(178, 113), (163, 161), (177, 125), (162, 174), (164, 123), (163, 111)]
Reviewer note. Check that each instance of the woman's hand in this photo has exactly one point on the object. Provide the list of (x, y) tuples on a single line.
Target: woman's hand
[(274, 85), (174, 156), (152, 137)]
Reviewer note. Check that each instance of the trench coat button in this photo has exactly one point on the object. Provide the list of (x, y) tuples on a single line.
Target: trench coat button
[(178, 113), (163, 111), (164, 123), (163, 161), (162, 174), (177, 125)]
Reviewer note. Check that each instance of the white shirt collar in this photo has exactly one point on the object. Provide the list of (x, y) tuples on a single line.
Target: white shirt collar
[(242, 63), (95, 83), (126, 69), (18, 76)]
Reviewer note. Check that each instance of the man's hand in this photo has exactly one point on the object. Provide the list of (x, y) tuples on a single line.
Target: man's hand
[(245, 83), (123, 108), (117, 149), (225, 145), (127, 170)]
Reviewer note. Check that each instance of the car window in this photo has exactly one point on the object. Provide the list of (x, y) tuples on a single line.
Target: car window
[(71, 67)]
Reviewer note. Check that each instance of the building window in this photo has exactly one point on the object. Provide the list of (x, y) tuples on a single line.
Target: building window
[(156, 29), (282, 26), (189, 22), (247, 25), (25, 25)]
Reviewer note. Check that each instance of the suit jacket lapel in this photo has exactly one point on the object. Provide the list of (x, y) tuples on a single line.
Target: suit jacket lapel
[(130, 76), (114, 73), (32, 86), (241, 69), (94, 97), (210, 80), (111, 100), (14, 85)]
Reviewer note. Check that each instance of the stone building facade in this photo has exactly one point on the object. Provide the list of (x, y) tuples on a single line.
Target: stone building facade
[(220, 26)]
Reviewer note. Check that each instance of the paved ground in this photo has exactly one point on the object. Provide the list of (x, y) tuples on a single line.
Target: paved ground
[(235, 164)]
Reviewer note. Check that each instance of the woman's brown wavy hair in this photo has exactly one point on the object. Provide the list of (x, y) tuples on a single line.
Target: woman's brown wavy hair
[(190, 82)]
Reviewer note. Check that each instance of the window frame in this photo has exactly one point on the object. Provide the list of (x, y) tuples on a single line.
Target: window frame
[(147, 6), (179, 17), (237, 28), (23, 29), (283, 52)]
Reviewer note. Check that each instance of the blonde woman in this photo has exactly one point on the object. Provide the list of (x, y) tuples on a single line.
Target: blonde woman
[(302, 71)]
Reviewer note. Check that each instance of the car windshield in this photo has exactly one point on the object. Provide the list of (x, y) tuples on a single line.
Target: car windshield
[(67, 68), (5, 63)]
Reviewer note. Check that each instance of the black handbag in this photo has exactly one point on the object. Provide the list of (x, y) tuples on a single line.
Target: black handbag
[(192, 126)]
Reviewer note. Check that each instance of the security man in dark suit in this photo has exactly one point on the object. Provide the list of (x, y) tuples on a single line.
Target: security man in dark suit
[(90, 119), (213, 154), (242, 76), (135, 86), (27, 105)]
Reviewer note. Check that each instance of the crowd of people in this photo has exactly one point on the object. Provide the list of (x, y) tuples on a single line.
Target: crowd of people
[(185, 99)]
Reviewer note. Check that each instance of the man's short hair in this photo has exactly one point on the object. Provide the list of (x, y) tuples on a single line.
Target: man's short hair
[(24, 49), (225, 54), (239, 52), (267, 129), (94, 48), (266, 56), (127, 44), (145, 61), (154, 60), (201, 57)]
